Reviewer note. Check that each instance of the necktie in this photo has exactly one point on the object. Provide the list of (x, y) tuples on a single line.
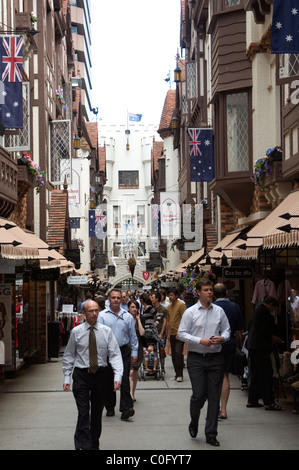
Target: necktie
[(93, 353)]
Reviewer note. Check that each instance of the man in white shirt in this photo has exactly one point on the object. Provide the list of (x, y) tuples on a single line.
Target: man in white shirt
[(90, 387), (204, 326)]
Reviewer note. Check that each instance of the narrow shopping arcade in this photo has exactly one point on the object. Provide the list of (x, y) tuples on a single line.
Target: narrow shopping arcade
[(36, 414)]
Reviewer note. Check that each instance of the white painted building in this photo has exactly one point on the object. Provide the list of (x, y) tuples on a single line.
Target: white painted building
[(128, 195)]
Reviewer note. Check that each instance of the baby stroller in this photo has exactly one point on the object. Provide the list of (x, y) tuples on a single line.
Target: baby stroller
[(151, 368)]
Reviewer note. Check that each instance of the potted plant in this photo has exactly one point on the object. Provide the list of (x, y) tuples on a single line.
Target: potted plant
[(39, 175), (262, 166)]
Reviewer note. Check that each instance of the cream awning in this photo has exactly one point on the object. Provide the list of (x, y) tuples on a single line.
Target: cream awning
[(192, 260), (16, 243), (266, 233), (26, 246), (224, 248)]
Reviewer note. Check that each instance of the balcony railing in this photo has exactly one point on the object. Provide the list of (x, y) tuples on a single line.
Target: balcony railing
[(8, 183)]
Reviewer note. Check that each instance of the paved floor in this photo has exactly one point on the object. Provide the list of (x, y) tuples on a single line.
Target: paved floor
[(35, 414)]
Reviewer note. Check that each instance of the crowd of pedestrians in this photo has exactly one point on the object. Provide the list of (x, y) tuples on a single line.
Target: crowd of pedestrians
[(207, 332)]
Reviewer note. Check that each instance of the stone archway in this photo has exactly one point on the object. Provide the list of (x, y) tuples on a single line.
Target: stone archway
[(120, 279)]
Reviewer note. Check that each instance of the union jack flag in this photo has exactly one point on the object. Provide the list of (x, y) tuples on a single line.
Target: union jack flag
[(194, 142), (12, 58)]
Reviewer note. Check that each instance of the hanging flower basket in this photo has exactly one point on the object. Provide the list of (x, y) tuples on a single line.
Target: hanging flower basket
[(132, 264), (80, 243), (190, 278), (263, 165), (39, 175), (59, 94)]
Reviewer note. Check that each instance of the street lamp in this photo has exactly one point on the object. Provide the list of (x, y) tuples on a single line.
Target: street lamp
[(177, 75), (174, 122), (77, 142)]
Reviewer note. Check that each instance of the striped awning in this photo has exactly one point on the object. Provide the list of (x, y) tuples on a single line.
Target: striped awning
[(194, 258), (19, 244), (16, 243), (268, 233), (224, 247)]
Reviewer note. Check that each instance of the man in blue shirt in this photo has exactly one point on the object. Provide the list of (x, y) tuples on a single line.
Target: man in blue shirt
[(123, 327), (124, 300)]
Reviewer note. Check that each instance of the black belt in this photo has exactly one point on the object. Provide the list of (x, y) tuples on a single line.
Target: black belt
[(205, 354), (87, 370)]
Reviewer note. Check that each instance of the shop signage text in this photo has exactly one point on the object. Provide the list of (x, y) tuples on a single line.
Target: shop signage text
[(237, 273)]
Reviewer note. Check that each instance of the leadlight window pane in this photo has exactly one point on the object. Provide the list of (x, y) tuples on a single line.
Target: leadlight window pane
[(191, 80), (60, 150), (231, 3), (288, 65), (128, 179), (237, 132)]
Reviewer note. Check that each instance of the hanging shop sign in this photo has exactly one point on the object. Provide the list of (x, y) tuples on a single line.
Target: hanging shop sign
[(234, 272), (77, 280)]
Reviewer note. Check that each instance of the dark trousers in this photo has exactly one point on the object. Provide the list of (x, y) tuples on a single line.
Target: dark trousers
[(90, 392), (177, 357), (206, 376), (126, 401), (261, 377)]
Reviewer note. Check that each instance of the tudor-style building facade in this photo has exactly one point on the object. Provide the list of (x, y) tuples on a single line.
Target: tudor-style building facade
[(55, 112), (233, 84)]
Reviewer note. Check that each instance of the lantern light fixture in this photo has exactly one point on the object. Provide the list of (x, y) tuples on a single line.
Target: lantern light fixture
[(177, 75), (77, 142)]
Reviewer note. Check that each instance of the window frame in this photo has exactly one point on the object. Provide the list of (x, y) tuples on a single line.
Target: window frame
[(128, 182)]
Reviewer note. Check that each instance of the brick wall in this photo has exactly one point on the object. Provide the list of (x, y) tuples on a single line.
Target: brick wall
[(259, 202)]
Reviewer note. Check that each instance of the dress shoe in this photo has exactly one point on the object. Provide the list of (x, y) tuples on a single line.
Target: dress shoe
[(127, 414), (110, 413), (212, 441), (193, 428)]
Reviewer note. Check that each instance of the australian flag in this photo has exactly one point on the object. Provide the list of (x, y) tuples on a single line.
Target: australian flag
[(11, 94), (135, 117), (201, 154), (285, 27)]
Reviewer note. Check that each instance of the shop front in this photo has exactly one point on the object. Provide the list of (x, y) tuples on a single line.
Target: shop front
[(29, 271)]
